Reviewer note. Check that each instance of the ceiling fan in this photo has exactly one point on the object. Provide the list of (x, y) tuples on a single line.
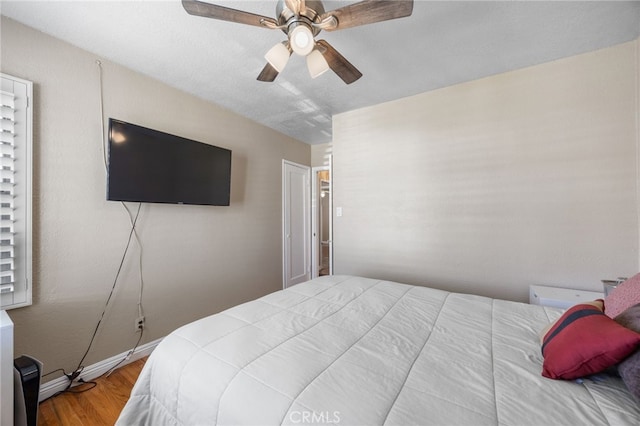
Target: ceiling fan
[(301, 21)]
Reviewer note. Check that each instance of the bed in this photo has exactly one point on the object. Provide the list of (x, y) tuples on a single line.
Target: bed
[(357, 351)]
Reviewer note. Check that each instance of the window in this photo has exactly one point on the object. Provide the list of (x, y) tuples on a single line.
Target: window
[(16, 135)]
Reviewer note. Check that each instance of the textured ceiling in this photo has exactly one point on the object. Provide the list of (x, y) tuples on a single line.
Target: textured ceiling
[(441, 44)]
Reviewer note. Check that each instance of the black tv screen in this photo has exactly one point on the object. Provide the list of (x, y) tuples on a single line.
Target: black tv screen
[(146, 165)]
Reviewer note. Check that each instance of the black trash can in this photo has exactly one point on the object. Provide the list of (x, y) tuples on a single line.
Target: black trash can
[(28, 372)]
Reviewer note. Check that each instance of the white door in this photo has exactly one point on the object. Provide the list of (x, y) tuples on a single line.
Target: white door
[(296, 223)]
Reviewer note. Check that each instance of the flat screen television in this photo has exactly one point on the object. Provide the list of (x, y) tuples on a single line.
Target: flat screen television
[(150, 166)]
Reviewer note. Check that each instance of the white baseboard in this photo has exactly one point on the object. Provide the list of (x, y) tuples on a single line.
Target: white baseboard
[(92, 371)]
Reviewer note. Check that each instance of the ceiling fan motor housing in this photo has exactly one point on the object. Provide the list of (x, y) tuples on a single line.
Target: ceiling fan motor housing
[(289, 20)]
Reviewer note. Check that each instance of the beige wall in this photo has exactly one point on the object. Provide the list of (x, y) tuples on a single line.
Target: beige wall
[(196, 260), (527, 177)]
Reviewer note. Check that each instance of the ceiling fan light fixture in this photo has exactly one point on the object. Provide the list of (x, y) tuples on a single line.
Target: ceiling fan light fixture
[(316, 63), (301, 39), (278, 56)]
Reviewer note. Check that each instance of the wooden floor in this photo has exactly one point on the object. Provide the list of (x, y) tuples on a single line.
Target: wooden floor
[(98, 406)]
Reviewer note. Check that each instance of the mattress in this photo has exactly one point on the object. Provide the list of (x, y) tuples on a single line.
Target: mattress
[(356, 351)]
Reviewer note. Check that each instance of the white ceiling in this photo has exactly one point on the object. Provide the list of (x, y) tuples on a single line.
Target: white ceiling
[(441, 44)]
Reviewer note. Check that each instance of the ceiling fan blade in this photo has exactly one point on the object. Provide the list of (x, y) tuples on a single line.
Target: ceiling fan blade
[(208, 10), (369, 12), (268, 73), (338, 63)]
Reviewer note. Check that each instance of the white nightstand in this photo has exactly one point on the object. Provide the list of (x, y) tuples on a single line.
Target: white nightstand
[(558, 297)]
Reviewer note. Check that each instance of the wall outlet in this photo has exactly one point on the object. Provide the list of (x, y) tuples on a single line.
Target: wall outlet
[(139, 325)]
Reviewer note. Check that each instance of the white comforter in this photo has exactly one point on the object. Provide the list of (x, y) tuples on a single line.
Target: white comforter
[(356, 351)]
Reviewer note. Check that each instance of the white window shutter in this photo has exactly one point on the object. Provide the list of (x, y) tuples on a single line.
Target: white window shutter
[(16, 120)]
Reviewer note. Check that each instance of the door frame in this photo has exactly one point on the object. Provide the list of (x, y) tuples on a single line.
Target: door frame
[(315, 215)]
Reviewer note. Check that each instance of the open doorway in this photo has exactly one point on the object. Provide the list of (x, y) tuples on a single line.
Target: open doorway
[(321, 222)]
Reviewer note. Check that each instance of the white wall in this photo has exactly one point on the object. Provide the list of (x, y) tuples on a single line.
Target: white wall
[(528, 177), (197, 260), (320, 154)]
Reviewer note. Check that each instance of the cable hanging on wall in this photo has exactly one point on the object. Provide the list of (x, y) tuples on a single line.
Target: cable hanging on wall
[(74, 377), (132, 220)]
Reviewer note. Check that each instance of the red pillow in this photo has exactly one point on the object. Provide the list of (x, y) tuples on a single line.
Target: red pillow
[(623, 297), (585, 341)]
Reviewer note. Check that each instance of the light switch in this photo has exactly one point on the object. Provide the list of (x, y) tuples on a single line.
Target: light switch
[(338, 211)]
